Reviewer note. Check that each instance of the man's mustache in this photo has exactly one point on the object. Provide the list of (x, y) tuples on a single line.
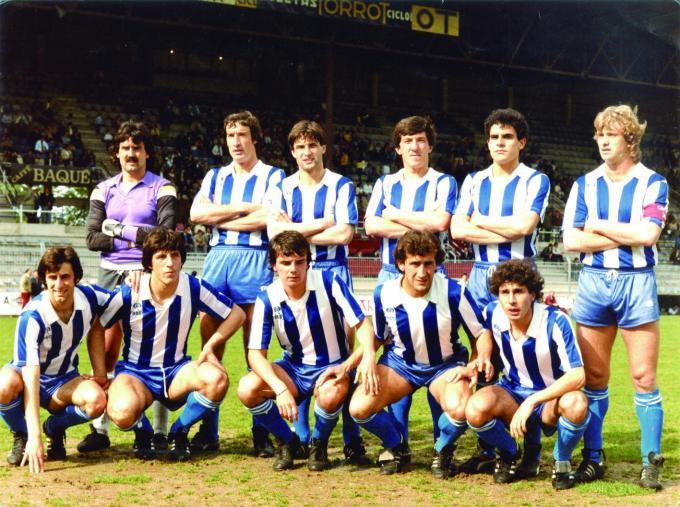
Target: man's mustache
[(131, 159)]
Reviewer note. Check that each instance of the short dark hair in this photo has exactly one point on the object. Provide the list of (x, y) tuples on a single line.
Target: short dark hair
[(162, 240), (510, 117), (54, 257), (522, 272), (139, 133), (418, 243), (288, 243), (306, 129), (413, 125), (247, 119)]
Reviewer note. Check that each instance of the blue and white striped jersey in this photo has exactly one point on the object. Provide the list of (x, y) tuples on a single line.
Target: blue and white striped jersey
[(223, 185), (642, 197), (524, 190), (41, 338), (547, 352), (334, 196), (435, 192), (424, 330), (310, 329), (155, 335)]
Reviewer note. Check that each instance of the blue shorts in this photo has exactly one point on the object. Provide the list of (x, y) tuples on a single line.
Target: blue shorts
[(626, 298), (390, 272), (304, 376), (521, 393), (239, 272), (419, 375), (478, 283), (339, 268), (156, 380), (50, 384)]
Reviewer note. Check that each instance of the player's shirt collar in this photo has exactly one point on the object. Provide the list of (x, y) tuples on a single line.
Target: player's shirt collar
[(430, 175), (145, 288), (51, 315), (147, 180), (434, 294), (295, 180), (279, 295), (535, 325)]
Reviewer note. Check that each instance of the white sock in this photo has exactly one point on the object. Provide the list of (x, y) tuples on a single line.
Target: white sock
[(101, 423), (160, 418)]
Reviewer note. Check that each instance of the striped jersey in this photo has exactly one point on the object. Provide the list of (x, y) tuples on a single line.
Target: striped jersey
[(334, 196), (434, 192), (41, 338), (155, 335), (641, 197), (424, 330), (222, 185), (310, 329), (547, 352), (502, 196)]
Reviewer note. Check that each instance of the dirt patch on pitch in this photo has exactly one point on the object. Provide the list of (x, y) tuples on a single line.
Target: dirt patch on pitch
[(232, 477)]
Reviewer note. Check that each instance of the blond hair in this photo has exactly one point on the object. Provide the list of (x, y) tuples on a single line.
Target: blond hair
[(625, 118)]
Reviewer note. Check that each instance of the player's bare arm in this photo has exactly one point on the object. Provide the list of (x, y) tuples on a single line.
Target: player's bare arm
[(429, 221), (223, 332), (285, 399), (95, 349), (463, 229), (367, 370), (203, 211), (572, 380), (382, 227), (338, 234), (578, 240), (511, 227), (279, 221), (253, 221), (641, 234), (34, 455)]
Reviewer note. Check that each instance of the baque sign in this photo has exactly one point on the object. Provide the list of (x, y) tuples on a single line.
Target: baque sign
[(53, 175)]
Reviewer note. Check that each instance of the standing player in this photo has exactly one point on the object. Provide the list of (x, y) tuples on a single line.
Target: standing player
[(614, 216), (321, 205), (498, 211), (230, 201), (420, 313), (44, 370), (123, 210), (415, 198), (307, 311), (543, 374), (155, 366)]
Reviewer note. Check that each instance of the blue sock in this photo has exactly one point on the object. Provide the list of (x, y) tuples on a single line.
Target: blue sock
[(650, 416), (13, 415), (196, 407), (598, 404), (267, 415), (325, 422), (141, 425), (351, 432), (532, 437), (383, 425), (436, 412), (400, 410), (301, 426), (568, 436), (66, 418), (450, 431), (495, 434), (211, 423)]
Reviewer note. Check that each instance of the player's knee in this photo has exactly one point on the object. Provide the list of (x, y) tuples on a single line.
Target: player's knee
[(360, 407), (246, 390), (574, 406), (644, 379), (214, 379), (476, 410), (95, 402), (10, 387), (330, 397), (121, 412)]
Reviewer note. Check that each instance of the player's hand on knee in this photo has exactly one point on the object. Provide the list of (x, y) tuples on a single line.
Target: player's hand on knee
[(287, 406), (101, 380), (332, 374), (462, 373), (518, 425), (368, 376), (208, 355)]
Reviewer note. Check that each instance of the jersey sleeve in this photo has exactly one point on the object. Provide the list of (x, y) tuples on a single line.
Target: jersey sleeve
[(376, 204), (446, 194), (382, 330), (465, 205), (207, 189), (538, 193), (29, 333), (346, 204), (351, 309), (567, 347), (576, 211), (273, 198), (261, 326), (118, 307), (96, 240), (213, 302), (655, 203), (470, 315)]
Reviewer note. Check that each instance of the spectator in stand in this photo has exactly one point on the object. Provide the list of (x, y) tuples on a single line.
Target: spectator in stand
[(25, 287), (44, 205), (200, 240)]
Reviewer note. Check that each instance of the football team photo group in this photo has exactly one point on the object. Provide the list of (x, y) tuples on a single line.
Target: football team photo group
[(493, 359)]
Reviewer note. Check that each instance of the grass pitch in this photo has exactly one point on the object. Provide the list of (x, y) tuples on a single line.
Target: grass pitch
[(232, 476)]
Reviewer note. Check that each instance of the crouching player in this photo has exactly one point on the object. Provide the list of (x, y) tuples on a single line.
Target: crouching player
[(156, 322), (44, 370), (543, 373), (420, 313), (305, 308)]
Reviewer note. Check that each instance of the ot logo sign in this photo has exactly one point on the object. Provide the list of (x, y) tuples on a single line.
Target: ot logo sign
[(428, 19)]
